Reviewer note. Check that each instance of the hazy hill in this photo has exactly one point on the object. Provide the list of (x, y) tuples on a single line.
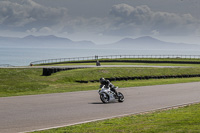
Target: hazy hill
[(148, 42), (51, 41), (43, 41)]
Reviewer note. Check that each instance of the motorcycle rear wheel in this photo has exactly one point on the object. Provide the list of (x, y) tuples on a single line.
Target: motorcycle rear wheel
[(104, 97)]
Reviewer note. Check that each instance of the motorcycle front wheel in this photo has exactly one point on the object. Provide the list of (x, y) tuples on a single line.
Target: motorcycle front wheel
[(104, 97), (121, 97)]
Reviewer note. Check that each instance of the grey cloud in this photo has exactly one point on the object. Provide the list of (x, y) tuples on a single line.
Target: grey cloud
[(92, 25), (123, 20), (141, 19), (28, 12), (126, 20), (129, 14), (12, 15)]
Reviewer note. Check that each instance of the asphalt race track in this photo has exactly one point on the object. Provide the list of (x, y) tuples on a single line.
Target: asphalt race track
[(38, 112)]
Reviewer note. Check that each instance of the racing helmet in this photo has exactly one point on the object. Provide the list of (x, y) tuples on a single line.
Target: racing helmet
[(101, 80)]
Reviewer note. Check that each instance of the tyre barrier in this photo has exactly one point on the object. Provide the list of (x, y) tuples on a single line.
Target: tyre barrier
[(82, 81), (142, 78), (49, 71)]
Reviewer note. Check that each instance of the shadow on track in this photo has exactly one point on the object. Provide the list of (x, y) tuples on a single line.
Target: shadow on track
[(102, 103), (96, 103)]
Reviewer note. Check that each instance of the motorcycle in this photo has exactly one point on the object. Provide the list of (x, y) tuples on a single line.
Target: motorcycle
[(106, 95)]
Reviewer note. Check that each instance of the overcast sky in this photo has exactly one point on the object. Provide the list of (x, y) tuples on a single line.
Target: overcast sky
[(102, 21)]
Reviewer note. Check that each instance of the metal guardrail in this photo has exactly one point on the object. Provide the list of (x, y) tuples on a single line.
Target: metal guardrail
[(112, 57)]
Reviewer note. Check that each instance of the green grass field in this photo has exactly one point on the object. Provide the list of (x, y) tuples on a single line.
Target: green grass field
[(19, 81), (181, 120)]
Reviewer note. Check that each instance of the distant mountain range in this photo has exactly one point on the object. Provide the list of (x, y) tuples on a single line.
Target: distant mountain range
[(148, 42), (52, 41)]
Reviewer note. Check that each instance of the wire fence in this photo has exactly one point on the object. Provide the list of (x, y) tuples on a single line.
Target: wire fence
[(96, 57)]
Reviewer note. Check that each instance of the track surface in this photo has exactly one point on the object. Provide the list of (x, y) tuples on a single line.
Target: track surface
[(28, 113)]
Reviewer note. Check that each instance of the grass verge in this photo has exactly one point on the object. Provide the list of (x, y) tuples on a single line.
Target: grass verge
[(180, 120)]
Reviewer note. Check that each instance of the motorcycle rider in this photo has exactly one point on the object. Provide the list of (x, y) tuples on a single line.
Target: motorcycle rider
[(107, 83)]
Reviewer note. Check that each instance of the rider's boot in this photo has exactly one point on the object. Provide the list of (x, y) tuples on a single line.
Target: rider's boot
[(116, 94)]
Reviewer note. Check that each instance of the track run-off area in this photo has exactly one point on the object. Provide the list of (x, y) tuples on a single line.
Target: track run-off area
[(39, 112)]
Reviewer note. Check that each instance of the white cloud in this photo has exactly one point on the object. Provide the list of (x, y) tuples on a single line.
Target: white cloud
[(155, 32), (46, 30), (32, 30), (41, 31)]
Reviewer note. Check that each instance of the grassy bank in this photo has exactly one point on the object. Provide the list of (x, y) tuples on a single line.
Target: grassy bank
[(15, 82), (181, 120), (125, 63), (128, 61)]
